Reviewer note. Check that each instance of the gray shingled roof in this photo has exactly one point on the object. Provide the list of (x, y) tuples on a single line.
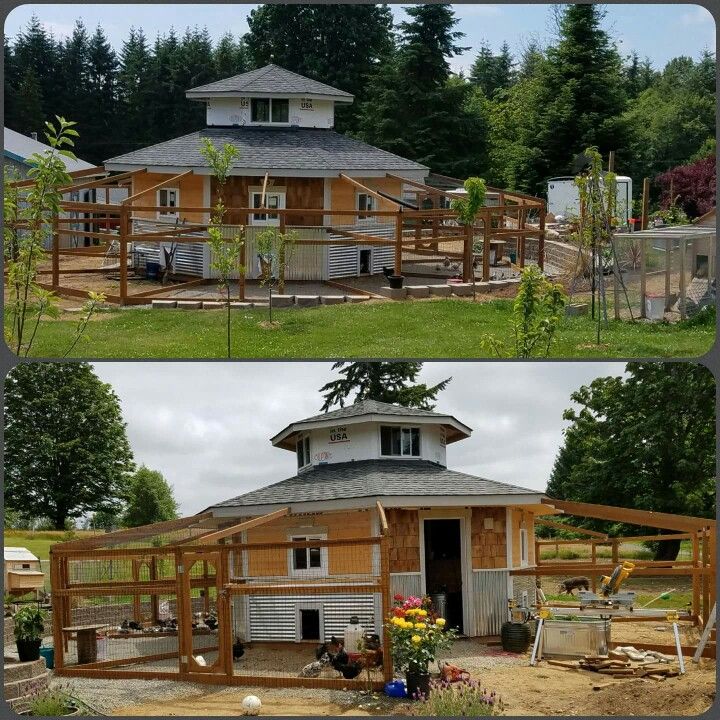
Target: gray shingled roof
[(270, 79), (373, 478), (371, 407), (271, 149)]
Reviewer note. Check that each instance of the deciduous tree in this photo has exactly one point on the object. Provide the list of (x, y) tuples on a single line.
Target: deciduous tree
[(150, 499)]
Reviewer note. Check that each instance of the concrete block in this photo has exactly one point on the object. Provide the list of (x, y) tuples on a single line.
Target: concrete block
[(394, 293), (189, 304), (418, 291), (241, 305), (213, 305), (307, 300), (163, 304), (356, 298), (462, 289), (498, 284), (440, 290), (332, 299), (576, 309), (280, 301), (482, 287)]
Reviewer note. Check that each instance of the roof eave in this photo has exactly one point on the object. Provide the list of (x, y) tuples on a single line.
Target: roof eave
[(210, 94)]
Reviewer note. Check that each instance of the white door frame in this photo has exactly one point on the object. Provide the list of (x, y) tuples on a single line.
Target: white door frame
[(268, 221), (464, 516), (311, 605)]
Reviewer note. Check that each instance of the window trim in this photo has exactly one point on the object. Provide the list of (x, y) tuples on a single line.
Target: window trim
[(267, 220), (371, 199), (524, 547), (303, 438), (270, 101), (401, 428), (175, 214), (297, 536)]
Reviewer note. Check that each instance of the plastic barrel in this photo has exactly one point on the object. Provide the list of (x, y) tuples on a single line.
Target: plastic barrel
[(515, 637), (49, 654)]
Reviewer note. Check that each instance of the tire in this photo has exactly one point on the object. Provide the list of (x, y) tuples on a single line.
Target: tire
[(515, 637)]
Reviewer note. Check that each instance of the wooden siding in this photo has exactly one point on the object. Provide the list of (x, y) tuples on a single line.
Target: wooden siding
[(337, 526), (303, 193), (489, 547), (343, 193), (192, 194), (404, 536)]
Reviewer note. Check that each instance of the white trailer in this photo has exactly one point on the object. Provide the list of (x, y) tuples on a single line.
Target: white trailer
[(564, 197)]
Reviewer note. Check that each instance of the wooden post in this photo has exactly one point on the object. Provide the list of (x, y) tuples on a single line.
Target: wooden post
[(668, 270), (224, 614), (712, 570), (154, 601), (468, 271), (521, 236), (615, 551), (696, 577), (645, 204), (398, 241), (124, 230), (243, 270), (611, 161), (705, 577), (683, 253), (55, 253), (541, 239), (385, 605), (206, 590), (486, 245), (643, 277), (182, 613), (57, 616), (137, 613)]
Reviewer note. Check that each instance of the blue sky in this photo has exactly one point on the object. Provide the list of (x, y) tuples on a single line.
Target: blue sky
[(659, 32)]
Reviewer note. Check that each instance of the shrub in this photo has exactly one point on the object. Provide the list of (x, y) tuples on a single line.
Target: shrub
[(29, 623), (462, 699), (52, 704)]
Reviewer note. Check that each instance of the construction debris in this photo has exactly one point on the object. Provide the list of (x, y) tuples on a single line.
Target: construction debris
[(624, 663)]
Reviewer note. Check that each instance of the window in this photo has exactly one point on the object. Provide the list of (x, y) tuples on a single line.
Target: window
[(366, 202), (400, 441), (263, 110), (303, 451), (168, 198), (273, 201), (304, 560), (523, 547)]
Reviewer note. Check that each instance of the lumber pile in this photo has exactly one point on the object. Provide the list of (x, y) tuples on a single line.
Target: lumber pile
[(618, 665)]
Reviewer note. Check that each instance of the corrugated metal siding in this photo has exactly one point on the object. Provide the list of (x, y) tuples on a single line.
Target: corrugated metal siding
[(343, 259), (405, 584), (307, 261), (274, 617), (489, 597)]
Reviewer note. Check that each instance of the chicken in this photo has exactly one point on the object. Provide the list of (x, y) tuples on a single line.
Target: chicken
[(349, 670), (332, 648), (313, 669), (387, 272), (238, 649), (211, 621)]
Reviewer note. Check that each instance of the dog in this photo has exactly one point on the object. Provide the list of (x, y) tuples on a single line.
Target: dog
[(567, 586)]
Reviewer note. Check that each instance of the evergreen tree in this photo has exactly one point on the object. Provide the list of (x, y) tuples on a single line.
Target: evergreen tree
[(99, 118), (229, 57), (134, 87), (530, 59), (340, 45), (492, 72), (390, 382), (10, 85), (29, 114), (72, 92), (193, 69)]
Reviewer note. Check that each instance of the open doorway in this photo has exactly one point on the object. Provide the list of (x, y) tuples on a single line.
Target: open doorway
[(309, 624), (443, 568), (365, 256)]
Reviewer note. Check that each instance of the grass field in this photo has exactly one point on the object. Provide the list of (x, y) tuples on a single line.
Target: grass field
[(38, 542), (426, 329)]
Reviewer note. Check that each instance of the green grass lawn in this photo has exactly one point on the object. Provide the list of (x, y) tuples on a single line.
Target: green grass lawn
[(432, 329), (38, 542)]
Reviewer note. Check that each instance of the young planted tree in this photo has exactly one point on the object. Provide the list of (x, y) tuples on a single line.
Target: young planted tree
[(390, 382), (271, 243), (66, 451), (225, 250), (29, 215), (467, 209)]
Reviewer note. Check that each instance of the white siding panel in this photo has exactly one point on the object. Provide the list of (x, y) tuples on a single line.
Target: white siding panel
[(490, 596)]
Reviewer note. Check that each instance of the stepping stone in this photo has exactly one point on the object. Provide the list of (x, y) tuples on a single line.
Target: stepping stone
[(461, 289), (356, 298), (307, 300), (163, 304), (418, 291), (440, 290), (212, 305), (576, 309), (241, 305), (394, 293), (189, 304), (282, 300), (332, 299)]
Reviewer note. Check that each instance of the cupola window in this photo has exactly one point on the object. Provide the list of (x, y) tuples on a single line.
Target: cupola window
[(398, 441), (303, 451), (263, 110)]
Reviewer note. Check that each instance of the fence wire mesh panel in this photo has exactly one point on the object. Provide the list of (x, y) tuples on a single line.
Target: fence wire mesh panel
[(296, 610)]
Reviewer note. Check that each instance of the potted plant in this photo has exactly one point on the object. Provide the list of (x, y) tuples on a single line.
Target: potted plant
[(29, 628), (416, 637)]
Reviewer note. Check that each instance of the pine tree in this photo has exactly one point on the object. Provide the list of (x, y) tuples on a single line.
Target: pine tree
[(228, 57), (29, 105), (10, 84), (493, 72), (74, 68), (134, 89), (390, 382), (193, 69)]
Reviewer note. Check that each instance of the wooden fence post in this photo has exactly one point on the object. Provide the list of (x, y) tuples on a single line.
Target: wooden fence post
[(696, 577), (668, 270), (57, 616), (124, 228), (615, 551), (541, 239), (521, 236), (398, 241), (468, 254), (385, 606), (645, 204), (55, 253), (705, 577), (487, 215)]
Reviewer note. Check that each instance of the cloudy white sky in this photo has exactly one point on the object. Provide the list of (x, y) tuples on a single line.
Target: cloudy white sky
[(657, 31), (207, 426)]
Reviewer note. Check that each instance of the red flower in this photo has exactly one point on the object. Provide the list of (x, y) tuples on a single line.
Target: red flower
[(398, 612), (398, 597)]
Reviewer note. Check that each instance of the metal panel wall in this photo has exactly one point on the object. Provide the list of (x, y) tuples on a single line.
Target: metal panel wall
[(274, 617), (405, 584), (489, 595)]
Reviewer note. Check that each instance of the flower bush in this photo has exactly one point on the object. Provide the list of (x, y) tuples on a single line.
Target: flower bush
[(461, 699), (417, 634)]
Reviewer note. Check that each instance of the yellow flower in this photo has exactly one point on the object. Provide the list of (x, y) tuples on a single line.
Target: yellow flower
[(397, 621), (420, 626), (422, 613), (440, 622), (416, 639)]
